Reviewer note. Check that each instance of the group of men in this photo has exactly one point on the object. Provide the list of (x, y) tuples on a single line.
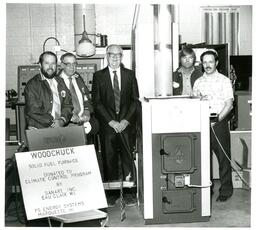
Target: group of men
[(62, 99)]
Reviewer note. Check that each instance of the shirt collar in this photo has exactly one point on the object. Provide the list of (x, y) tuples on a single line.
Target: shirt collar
[(215, 74), (65, 76), (181, 70), (42, 76), (111, 70)]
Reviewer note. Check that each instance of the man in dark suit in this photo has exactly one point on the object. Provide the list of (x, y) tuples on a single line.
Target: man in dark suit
[(81, 99), (48, 102), (115, 98)]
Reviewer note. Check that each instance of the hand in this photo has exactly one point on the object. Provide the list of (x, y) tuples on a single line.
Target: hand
[(122, 125), (85, 117), (58, 123), (75, 118), (115, 125)]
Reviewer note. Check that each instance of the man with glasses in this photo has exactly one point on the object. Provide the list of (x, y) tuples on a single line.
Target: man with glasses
[(82, 113), (48, 102), (115, 98)]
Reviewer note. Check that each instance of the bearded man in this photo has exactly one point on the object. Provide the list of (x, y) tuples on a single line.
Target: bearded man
[(48, 102)]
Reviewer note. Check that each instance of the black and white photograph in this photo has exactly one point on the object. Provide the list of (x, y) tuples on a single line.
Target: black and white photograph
[(128, 114)]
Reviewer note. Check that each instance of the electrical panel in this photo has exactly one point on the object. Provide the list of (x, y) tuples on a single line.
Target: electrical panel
[(86, 71), (25, 73)]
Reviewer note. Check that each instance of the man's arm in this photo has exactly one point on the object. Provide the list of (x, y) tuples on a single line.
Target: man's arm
[(133, 106), (35, 113), (88, 108), (227, 108), (134, 98), (66, 105), (97, 100)]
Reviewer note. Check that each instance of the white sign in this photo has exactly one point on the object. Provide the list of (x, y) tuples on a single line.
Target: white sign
[(60, 181)]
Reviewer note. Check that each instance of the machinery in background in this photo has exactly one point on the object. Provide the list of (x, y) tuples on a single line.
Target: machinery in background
[(174, 165)]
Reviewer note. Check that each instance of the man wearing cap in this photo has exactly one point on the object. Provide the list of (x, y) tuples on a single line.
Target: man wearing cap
[(217, 89)]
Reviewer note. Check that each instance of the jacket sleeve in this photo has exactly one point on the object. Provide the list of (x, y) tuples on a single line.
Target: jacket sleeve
[(176, 83), (97, 100), (35, 115), (87, 103), (134, 99), (66, 105)]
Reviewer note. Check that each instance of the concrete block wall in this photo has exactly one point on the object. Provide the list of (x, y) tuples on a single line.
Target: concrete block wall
[(27, 27)]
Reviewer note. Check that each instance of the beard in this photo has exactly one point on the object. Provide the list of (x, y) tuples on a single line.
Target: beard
[(47, 75)]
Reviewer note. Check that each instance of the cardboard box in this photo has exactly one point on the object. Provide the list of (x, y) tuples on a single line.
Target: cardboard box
[(240, 151), (247, 178), (241, 148), (237, 182)]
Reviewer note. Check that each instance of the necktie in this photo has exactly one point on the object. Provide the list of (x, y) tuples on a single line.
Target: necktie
[(75, 100), (56, 107), (116, 93)]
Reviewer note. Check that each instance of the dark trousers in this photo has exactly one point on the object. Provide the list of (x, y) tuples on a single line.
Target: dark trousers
[(221, 130), (115, 146)]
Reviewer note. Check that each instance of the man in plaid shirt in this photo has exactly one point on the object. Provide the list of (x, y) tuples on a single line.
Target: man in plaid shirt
[(217, 89)]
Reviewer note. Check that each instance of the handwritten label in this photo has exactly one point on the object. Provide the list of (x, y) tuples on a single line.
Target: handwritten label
[(60, 181)]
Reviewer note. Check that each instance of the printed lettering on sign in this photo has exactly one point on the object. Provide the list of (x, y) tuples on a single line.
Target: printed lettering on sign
[(60, 181)]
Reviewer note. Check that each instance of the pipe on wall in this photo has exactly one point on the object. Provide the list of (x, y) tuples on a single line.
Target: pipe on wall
[(90, 21), (163, 48)]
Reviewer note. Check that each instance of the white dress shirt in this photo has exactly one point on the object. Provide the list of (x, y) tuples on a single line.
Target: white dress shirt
[(56, 106), (87, 125), (217, 88), (118, 73)]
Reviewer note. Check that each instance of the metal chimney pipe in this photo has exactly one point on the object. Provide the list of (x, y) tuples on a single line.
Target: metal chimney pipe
[(163, 30)]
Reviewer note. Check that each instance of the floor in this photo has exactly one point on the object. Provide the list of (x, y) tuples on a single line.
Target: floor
[(235, 212)]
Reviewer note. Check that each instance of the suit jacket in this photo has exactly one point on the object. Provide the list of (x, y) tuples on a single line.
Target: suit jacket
[(38, 102), (103, 96), (177, 78)]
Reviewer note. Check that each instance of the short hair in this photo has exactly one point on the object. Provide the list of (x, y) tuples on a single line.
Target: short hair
[(187, 51), (210, 52), (41, 57), (114, 45), (67, 55)]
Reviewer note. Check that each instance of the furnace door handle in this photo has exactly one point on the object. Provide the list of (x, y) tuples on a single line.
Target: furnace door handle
[(162, 152)]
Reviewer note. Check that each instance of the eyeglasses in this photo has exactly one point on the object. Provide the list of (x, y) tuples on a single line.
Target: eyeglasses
[(113, 55), (69, 65)]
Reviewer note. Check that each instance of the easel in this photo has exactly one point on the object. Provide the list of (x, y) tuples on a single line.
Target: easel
[(81, 216)]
